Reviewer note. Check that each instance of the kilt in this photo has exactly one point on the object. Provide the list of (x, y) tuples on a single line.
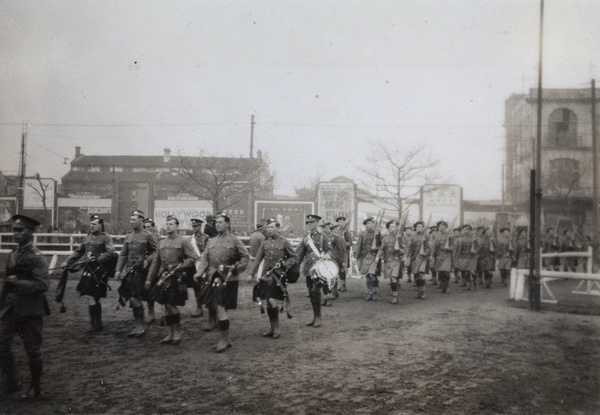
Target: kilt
[(420, 264), (214, 293), (364, 264), (392, 267), (173, 293)]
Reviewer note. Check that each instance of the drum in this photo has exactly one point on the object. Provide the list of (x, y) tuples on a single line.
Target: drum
[(326, 270)]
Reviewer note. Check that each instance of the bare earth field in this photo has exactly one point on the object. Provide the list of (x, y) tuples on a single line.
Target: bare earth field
[(455, 353)]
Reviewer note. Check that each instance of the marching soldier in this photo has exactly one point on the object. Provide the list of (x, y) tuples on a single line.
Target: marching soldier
[(481, 239), (223, 260), (522, 249), (277, 252), (97, 248), (456, 262), (340, 246), (22, 307), (368, 245), (391, 253), (468, 254), (337, 248), (504, 254), (419, 251), (442, 252), (487, 257), (434, 276), (314, 246), (174, 258), (135, 255), (407, 241), (343, 227), (199, 241), (150, 226)]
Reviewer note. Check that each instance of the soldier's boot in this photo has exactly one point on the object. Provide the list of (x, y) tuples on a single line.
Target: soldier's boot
[(99, 325), (171, 330), (421, 292), (374, 295), (276, 333), (9, 375), (316, 306), (140, 326), (434, 279), (394, 299), (368, 290), (474, 284), (92, 311), (199, 310), (224, 342), (467, 286), (270, 313), (151, 316), (35, 367), (177, 332), (343, 286), (446, 284)]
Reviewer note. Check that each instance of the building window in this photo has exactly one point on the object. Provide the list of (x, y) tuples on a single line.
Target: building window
[(564, 173), (562, 128)]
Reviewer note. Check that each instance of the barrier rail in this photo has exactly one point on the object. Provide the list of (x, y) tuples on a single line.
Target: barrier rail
[(588, 279)]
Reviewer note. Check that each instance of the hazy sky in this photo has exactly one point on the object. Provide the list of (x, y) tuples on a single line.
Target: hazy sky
[(322, 78)]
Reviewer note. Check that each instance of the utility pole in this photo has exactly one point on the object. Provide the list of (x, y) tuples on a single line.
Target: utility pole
[(594, 168), (252, 136), (251, 196), (22, 169), (536, 229)]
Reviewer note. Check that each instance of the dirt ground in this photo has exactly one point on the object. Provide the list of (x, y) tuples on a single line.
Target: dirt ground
[(455, 353)]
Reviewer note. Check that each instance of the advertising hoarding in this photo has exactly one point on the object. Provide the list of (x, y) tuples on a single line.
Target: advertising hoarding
[(441, 202), (183, 210), (74, 213), (291, 215), (335, 199)]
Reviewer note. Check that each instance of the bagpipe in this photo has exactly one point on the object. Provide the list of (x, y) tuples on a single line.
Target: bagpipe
[(124, 289), (279, 277), (211, 287), (170, 288), (59, 293)]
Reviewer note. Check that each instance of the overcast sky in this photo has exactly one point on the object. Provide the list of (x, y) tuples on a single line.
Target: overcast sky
[(322, 78)]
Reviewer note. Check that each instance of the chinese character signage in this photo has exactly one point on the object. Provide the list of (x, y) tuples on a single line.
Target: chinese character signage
[(442, 202)]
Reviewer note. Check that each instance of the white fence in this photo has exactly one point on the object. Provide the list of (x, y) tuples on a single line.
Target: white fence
[(589, 283)]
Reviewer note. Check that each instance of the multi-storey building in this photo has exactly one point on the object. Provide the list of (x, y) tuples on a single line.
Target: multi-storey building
[(566, 155), (155, 184)]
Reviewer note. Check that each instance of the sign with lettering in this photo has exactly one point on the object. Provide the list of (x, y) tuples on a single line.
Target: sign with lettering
[(183, 210), (441, 202), (290, 215), (335, 200)]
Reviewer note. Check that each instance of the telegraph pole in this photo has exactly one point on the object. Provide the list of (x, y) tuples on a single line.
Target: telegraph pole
[(252, 136), (536, 221), (594, 169), (22, 168), (251, 196)]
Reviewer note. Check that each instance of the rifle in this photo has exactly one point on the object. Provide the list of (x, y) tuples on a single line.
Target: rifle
[(450, 229), (60, 289), (396, 270), (422, 249)]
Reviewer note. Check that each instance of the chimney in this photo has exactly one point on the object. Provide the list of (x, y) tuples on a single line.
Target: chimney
[(167, 155), (77, 152)]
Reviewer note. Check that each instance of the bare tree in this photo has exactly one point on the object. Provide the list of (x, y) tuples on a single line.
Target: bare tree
[(309, 190), (41, 189), (226, 181), (396, 173)]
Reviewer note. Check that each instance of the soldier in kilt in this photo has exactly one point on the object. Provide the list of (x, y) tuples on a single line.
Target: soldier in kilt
[(442, 252), (135, 255), (367, 247), (487, 257), (222, 262), (468, 254), (504, 254), (100, 257), (279, 256), (391, 253), (175, 257)]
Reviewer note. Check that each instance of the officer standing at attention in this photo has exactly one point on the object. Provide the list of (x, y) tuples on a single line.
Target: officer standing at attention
[(22, 307)]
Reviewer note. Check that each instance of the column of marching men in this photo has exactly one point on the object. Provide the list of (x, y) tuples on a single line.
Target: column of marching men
[(212, 259)]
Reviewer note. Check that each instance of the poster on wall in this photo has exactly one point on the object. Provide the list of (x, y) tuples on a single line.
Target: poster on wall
[(8, 208), (74, 214), (442, 202), (335, 199), (183, 210), (290, 215)]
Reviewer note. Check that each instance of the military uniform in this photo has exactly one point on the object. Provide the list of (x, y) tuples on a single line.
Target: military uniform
[(419, 252), (504, 256), (522, 251), (308, 257), (391, 253), (442, 252), (223, 260), (367, 247), (487, 261), (272, 284), (550, 244), (94, 278), (22, 309), (198, 241), (468, 256), (138, 247), (173, 251)]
